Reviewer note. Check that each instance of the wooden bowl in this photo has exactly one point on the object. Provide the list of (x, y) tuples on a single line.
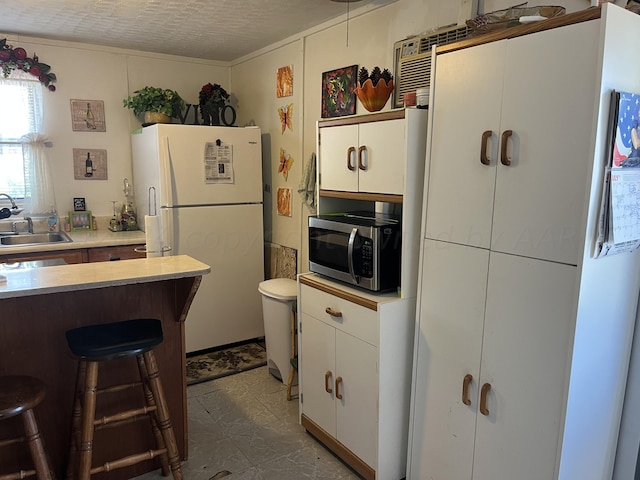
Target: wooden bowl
[(374, 98)]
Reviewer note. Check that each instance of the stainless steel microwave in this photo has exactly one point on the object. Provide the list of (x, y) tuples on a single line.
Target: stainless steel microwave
[(362, 249)]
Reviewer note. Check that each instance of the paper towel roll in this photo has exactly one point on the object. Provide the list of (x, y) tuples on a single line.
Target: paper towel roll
[(153, 235)]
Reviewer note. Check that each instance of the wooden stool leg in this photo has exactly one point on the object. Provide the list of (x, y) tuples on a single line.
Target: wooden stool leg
[(76, 420), (88, 417), (164, 422), (43, 472), (148, 395)]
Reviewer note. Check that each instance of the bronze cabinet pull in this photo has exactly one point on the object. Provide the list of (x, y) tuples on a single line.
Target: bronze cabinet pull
[(465, 388), (483, 147), (504, 158), (327, 383), (483, 399), (338, 382), (350, 152), (361, 164), (332, 312)]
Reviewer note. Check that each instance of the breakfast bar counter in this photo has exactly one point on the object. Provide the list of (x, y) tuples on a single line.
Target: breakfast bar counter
[(37, 307)]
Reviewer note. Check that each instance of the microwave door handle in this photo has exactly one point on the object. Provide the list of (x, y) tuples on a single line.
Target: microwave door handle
[(352, 241)]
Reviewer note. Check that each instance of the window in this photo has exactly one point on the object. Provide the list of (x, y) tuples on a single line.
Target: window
[(20, 114)]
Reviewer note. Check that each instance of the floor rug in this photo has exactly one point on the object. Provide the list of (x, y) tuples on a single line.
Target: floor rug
[(221, 363)]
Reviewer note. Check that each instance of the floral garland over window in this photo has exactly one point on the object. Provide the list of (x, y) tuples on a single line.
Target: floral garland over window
[(16, 59)]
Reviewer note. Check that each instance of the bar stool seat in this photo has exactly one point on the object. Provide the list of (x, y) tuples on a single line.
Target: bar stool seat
[(97, 344), (19, 395)]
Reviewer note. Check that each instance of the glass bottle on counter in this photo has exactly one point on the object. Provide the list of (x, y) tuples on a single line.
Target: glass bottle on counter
[(128, 219), (114, 223)]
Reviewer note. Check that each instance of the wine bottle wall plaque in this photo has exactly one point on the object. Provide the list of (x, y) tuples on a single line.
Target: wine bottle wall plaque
[(88, 116), (89, 164)]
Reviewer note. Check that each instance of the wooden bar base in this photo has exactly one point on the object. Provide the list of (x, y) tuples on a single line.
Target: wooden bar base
[(32, 342)]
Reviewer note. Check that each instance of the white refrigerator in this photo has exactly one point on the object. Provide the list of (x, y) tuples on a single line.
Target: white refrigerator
[(206, 184)]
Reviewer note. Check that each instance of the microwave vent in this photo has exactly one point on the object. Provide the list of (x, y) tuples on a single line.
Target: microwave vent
[(413, 59)]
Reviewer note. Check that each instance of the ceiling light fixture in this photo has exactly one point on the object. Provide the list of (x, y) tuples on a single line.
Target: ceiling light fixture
[(348, 2)]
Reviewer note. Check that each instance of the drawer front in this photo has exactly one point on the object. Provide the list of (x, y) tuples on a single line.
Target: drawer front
[(106, 254), (353, 319)]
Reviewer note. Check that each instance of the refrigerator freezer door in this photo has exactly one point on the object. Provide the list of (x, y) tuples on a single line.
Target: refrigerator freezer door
[(183, 149), (227, 307)]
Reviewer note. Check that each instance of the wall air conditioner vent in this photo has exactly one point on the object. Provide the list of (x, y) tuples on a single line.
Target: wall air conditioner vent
[(413, 59)]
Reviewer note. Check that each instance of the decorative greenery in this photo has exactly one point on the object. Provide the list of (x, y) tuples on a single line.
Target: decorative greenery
[(153, 99), (16, 59), (213, 95)]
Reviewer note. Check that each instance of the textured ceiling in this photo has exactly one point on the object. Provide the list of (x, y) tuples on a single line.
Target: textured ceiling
[(211, 29)]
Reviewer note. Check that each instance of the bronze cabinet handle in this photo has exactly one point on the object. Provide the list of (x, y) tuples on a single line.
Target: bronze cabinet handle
[(483, 399), (332, 312), (350, 152), (466, 381), (327, 383), (338, 382), (361, 164), (483, 147), (504, 158)]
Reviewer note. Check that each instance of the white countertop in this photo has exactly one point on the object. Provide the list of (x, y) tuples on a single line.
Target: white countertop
[(82, 239), (85, 276)]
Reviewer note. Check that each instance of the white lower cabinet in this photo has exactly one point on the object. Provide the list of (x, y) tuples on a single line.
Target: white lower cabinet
[(492, 355), (342, 405), (355, 372)]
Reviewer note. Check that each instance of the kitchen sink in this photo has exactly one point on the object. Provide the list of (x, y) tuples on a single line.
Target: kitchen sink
[(34, 239)]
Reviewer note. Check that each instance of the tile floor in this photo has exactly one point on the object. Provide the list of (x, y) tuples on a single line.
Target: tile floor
[(243, 424)]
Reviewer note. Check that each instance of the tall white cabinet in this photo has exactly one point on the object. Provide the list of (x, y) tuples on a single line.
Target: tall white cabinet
[(355, 347), (522, 342)]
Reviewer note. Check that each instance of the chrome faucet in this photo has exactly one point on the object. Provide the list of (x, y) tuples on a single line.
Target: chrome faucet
[(15, 210), (29, 220)]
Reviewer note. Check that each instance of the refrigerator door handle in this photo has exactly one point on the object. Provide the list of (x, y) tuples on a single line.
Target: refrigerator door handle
[(166, 174), (169, 234)]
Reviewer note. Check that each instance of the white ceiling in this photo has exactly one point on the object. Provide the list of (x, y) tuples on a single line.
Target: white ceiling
[(211, 29)]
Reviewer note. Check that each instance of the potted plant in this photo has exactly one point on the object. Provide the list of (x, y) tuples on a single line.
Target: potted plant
[(212, 99), (153, 101)]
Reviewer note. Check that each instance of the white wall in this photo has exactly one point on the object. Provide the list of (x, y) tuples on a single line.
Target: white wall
[(254, 82), (95, 73)]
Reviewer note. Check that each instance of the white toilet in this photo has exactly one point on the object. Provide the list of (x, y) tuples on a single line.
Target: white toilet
[(278, 295)]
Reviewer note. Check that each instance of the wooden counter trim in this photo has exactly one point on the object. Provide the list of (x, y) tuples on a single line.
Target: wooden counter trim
[(353, 120), (369, 197), (188, 299), (363, 302), (338, 448), (520, 30)]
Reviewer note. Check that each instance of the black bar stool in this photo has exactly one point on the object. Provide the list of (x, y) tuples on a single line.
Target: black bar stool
[(103, 343), (19, 395)]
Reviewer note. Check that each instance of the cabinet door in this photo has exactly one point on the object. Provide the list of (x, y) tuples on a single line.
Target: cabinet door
[(540, 197), (382, 152), (526, 346), (448, 348), (466, 103), (357, 410), (317, 346), (338, 151)]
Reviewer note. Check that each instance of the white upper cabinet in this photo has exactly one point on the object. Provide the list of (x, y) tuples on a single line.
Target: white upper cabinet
[(500, 142), (364, 158)]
